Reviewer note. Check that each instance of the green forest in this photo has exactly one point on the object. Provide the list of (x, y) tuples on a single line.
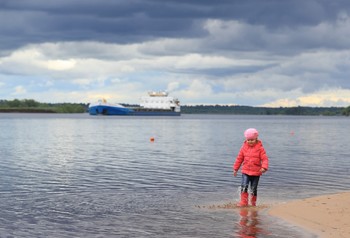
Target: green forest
[(248, 110), (30, 105)]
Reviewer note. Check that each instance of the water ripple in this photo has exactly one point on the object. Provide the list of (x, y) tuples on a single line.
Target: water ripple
[(81, 176)]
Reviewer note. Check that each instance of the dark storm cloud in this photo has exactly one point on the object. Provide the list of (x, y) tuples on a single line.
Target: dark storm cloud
[(37, 21), (216, 73), (280, 51), (107, 21)]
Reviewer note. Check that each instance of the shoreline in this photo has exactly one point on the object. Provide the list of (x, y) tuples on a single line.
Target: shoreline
[(325, 215), (25, 110)]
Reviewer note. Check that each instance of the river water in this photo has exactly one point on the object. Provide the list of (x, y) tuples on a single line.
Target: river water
[(77, 175)]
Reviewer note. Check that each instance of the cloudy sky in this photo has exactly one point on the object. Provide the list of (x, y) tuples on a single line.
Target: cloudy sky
[(245, 52)]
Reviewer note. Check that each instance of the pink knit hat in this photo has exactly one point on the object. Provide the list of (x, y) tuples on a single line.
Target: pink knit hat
[(251, 133)]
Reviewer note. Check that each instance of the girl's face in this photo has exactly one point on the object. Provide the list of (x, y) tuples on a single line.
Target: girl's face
[(252, 142)]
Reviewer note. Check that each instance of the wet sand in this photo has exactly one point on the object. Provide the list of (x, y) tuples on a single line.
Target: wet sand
[(325, 216)]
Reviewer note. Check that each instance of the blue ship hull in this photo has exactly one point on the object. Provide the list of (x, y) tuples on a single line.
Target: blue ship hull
[(124, 111), (108, 110)]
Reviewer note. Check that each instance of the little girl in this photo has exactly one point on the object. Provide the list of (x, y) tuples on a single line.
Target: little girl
[(255, 162)]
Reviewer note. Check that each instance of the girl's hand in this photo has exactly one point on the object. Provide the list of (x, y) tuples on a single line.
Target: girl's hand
[(262, 170), (235, 173)]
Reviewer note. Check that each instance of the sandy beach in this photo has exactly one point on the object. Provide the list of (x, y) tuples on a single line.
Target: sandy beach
[(325, 216)]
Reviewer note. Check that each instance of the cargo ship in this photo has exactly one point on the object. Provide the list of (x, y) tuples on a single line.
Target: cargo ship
[(155, 104)]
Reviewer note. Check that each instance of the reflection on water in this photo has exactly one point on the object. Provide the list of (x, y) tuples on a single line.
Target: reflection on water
[(83, 176), (254, 222), (249, 224)]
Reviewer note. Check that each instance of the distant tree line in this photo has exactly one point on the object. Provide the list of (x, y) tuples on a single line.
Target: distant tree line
[(248, 110), (346, 111), (30, 105)]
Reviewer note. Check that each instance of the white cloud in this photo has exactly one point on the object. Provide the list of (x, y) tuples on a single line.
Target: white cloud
[(19, 90), (61, 64), (172, 86), (249, 72), (195, 91), (325, 98)]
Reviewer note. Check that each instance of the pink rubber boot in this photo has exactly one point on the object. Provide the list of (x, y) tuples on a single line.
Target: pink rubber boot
[(244, 200), (253, 200)]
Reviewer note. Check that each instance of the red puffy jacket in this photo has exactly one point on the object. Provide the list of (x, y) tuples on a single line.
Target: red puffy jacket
[(253, 158)]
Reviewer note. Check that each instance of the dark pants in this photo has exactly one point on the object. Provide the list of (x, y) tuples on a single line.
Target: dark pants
[(251, 181)]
